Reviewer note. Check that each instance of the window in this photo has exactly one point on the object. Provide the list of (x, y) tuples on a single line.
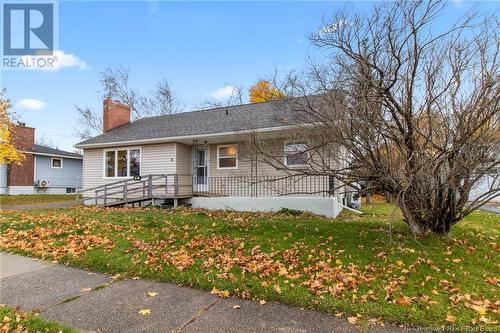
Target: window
[(122, 163), (70, 190), (110, 163), (227, 157), (296, 154), (57, 163)]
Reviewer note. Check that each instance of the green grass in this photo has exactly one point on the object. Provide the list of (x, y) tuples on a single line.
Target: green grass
[(368, 265), (15, 320), (34, 199)]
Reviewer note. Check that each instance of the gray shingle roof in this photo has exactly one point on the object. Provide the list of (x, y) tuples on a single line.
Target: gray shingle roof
[(219, 120), (51, 151)]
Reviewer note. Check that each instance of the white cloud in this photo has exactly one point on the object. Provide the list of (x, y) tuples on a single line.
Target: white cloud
[(223, 93), (30, 104), (64, 60), (59, 60)]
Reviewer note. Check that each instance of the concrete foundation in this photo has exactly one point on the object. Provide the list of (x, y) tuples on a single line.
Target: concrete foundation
[(17, 190), (329, 207)]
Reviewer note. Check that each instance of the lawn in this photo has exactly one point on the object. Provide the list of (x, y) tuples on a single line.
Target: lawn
[(34, 199), (15, 320), (366, 268)]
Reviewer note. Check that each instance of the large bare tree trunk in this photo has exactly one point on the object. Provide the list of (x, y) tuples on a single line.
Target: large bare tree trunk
[(416, 112)]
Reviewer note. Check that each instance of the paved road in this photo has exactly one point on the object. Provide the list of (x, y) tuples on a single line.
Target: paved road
[(62, 294), (38, 206)]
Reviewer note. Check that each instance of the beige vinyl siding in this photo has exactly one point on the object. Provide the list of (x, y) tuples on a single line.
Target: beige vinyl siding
[(307, 185), (171, 158), (155, 159), (183, 167)]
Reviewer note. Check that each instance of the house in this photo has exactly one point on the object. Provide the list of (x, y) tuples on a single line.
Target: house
[(44, 171), (203, 159)]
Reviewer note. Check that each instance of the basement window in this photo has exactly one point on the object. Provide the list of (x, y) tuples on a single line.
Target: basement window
[(227, 157), (57, 163), (122, 163)]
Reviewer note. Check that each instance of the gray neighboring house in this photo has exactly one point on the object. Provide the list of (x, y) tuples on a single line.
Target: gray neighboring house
[(204, 159), (56, 171)]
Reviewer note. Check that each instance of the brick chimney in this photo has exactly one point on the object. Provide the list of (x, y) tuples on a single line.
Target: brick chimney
[(114, 114), (23, 136)]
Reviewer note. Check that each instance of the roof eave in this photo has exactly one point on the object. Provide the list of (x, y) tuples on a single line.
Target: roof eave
[(184, 137)]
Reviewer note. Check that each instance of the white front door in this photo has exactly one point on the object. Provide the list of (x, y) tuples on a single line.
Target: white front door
[(200, 179)]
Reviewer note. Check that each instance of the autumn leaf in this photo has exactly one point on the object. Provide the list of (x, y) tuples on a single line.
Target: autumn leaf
[(277, 288), (152, 294), (404, 300), (262, 302), (479, 309), (450, 318), (220, 293), (236, 306), (352, 320), (145, 312)]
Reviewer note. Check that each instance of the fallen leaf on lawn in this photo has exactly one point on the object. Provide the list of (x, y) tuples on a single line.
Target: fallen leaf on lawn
[(262, 302), (152, 294), (338, 314), (456, 261), (399, 263), (277, 288), (220, 293), (480, 309), (488, 321), (352, 320), (236, 307), (145, 312), (450, 318), (404, 300)]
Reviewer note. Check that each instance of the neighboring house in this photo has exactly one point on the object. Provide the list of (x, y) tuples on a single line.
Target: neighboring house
[(44, 171), (489, 182), (202, 158)]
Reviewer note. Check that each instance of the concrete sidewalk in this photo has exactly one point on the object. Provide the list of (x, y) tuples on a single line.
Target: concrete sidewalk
[(64, 294)]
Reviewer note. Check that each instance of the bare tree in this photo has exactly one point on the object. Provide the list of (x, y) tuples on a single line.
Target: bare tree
[(412, 110), (43, 141), (116, 84)]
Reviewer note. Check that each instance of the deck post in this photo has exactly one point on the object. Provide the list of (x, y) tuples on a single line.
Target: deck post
[(96, 197), (150, 186), (176, 190), (105, 193), (125, 189), (166, 186)]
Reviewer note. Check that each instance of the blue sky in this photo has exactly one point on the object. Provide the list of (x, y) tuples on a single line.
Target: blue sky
[(200, 47)]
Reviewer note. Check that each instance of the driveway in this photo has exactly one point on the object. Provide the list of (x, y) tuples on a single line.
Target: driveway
[(97, 302)]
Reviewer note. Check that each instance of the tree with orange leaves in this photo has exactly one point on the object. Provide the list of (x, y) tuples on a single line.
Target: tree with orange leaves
[(264, 91), (8, 152)]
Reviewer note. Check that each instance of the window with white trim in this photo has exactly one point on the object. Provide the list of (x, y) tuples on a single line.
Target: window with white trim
[(296, 154), (57, 163), (120, 163), (227, 156)]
